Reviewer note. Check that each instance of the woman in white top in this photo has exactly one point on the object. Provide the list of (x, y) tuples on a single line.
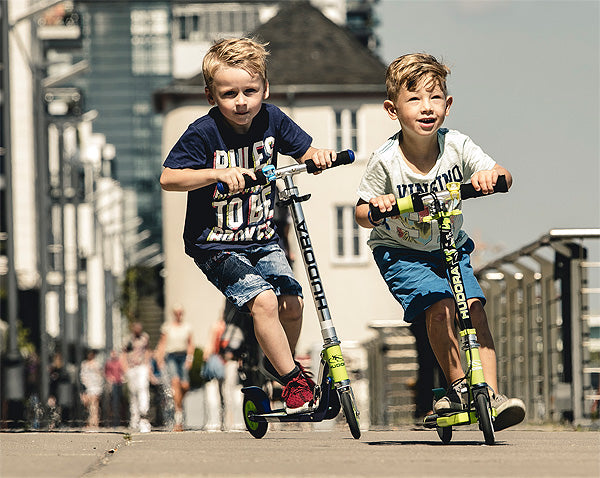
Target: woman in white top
[(176, 350), (92, 383)]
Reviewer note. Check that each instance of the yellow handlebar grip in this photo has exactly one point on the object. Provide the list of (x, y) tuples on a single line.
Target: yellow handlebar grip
[(405, 204)]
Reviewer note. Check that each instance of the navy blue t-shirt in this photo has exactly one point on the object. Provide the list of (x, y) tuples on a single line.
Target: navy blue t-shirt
[(216, 221)]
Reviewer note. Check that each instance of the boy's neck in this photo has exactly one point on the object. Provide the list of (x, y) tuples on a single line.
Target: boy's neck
[(420, 153)]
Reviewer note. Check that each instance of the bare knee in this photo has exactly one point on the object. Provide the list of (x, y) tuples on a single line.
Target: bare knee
[(290, 308), (264, 304)]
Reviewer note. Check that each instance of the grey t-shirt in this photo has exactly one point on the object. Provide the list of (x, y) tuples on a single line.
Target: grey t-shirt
[(387, 172)]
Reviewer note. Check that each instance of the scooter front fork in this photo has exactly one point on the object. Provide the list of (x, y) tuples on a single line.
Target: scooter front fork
[(477, 383), (471, 349)]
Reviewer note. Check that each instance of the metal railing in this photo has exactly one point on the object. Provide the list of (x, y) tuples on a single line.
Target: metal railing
[(542, 305)]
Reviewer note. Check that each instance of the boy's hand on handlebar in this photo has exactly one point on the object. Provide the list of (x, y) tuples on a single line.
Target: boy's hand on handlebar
[(485, 181), (385, 203), (234, 178), (321, 157)]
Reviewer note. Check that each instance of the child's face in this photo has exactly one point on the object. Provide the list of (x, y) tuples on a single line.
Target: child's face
[(238, 95), (422, 111)]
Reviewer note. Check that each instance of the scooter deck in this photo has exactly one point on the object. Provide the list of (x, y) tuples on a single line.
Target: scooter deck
[(466, 417), (453, 419), (280, 415)]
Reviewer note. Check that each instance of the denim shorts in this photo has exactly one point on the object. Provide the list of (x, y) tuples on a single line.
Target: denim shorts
[(176, 366), (418, 279), (243, 274)]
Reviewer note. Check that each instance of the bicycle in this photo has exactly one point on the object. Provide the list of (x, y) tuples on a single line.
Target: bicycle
[(441, 206), (332, 388)]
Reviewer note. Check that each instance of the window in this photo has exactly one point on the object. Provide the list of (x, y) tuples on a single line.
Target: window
[(150, 46), (349, 238), (346, 130), (208, 23)]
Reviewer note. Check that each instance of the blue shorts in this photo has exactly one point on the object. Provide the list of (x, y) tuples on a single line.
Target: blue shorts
[(176, 366), (243, 274), (418, 280)]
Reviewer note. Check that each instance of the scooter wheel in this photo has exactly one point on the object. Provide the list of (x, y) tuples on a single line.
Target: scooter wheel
[(347, 401), (445, 434), (484, 412), (256, 429)]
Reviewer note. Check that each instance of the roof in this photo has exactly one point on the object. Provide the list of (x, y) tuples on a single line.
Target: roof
[(309, 54), (309, 49)]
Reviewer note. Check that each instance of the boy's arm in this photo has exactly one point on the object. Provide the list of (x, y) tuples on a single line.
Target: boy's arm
[(189, 179), (486, 180)]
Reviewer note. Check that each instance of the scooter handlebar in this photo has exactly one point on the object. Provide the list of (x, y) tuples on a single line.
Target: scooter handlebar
[(414, 202), (343, 157)]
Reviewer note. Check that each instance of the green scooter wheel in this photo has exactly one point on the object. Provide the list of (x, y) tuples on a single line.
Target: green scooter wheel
[(256, 429)]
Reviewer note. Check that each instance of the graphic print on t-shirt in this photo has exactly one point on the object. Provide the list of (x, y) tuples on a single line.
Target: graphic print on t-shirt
[(245, 216)]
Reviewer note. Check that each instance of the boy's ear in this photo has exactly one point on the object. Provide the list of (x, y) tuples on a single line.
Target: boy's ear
[(389, 107), (209, 96), (449, 101), (266, 95)]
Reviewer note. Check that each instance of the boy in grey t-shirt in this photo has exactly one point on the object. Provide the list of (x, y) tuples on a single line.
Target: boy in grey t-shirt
[(421, 157)]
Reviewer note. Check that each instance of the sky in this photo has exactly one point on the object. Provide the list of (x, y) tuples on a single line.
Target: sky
[(525, 82)]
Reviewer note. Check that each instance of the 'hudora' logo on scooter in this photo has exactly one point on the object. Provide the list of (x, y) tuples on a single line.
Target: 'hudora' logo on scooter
[(336, 361), (459, 292), (311, 266)]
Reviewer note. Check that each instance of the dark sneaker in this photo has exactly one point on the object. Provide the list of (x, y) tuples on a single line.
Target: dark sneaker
[(510, 411), (453, 401), (297, 395)]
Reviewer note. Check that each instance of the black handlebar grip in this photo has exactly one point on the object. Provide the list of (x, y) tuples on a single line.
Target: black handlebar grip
[(377, 215), (248, 181), (467, 191), (343, 157)]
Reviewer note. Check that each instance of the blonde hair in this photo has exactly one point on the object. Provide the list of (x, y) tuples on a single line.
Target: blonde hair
[(408, 71), (246, 53)]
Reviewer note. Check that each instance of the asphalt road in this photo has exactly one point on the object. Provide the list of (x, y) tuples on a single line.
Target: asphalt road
[(299, 452)]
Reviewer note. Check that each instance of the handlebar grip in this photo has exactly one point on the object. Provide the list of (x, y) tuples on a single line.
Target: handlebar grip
[(377, 215), (343, 157), (467, 191), (248, 181)]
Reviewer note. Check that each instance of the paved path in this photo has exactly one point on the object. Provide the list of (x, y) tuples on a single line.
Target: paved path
[(299, 452)]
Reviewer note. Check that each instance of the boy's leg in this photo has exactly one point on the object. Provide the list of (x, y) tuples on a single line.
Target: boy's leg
[(270, 332), (290, 316), (510, 411), (439, 319), (487, 350)]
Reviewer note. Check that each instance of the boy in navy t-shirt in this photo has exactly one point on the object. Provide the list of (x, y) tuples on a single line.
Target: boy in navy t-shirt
[(232, 236)]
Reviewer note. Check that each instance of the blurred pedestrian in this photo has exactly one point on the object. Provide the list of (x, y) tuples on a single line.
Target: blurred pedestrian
[(113, 373), (92, 383), (59, 399), (176, 350), (213, 372), (136, 364)]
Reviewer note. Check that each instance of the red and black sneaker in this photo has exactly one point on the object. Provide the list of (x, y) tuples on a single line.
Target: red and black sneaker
[(298, 394)]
